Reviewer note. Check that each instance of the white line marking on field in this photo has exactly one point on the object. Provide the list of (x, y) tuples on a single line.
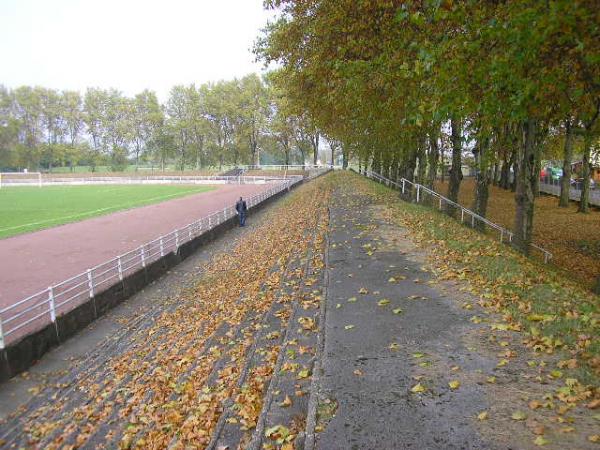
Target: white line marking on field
[(90, 212)]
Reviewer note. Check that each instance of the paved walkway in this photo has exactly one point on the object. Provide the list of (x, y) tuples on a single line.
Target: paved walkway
[(31, 262), (382, 336)]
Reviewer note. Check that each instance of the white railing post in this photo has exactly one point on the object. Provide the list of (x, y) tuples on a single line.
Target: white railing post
[(51, 303), (462, 215), (90, 282), (418, 191), (1, 336), (403, 180), (177, 239), (162, 247), (143, 256), (120, 268)]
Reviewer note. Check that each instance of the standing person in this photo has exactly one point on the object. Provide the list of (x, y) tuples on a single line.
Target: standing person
[(242, 210)]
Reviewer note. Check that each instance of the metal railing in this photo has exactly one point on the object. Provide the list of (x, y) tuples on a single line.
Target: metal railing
[(38, 310), (551, 185), (420, 192)]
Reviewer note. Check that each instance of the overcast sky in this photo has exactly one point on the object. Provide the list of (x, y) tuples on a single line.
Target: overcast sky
[(127, 44)]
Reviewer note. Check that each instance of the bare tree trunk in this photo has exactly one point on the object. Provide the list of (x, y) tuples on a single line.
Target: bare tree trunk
[(315, 144), (422, 166), (394, 167), (565, 181), (432, 163), (456, 169), (584, 202), (525, 184), (482, 188)]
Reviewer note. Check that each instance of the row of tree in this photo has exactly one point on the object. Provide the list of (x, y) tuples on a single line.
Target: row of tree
[(394, 81), (227, 122)]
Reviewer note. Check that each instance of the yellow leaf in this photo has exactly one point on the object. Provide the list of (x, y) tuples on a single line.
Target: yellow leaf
[(348, 327), (383, 302), (418, 388), (482, 415), (454, 384), (519, 415), (397, 311), (287, 401), (540, 440)]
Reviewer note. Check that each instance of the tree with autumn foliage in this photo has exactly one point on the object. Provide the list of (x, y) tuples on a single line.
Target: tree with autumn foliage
[(388, 78)]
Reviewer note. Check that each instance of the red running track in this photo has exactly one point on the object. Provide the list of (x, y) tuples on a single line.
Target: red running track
[(31, 262)]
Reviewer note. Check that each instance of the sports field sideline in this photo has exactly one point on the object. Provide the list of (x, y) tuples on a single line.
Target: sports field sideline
[(26, 209)]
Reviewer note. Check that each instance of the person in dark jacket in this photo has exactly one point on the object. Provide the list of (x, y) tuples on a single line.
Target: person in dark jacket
[(242, 210)]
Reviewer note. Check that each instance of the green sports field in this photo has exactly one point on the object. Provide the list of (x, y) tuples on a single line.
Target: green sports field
[(25, 209)]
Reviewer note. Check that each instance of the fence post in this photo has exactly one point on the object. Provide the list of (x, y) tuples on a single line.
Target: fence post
[(90, 282), (176, 240), (418, 191), (143, 256), (162, 247), (403, 180), (462, 215), (120, 268), (1, 336), (440, 208), (51, 303), (472, 221)]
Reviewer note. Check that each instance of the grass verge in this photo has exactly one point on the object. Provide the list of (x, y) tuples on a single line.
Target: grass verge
[(554, 313)]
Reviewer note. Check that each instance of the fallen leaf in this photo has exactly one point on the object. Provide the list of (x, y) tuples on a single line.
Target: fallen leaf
[(518, 415), (287, 401), (348, 327), (383, 302), (540, 440), (454, 384), (482, 415), (418, 388), (397, 311)]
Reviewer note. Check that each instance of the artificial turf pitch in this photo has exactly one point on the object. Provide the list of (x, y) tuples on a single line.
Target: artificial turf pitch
[(26, 209)]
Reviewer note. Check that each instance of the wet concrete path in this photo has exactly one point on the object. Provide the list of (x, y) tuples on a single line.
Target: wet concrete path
[(389, 328)]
